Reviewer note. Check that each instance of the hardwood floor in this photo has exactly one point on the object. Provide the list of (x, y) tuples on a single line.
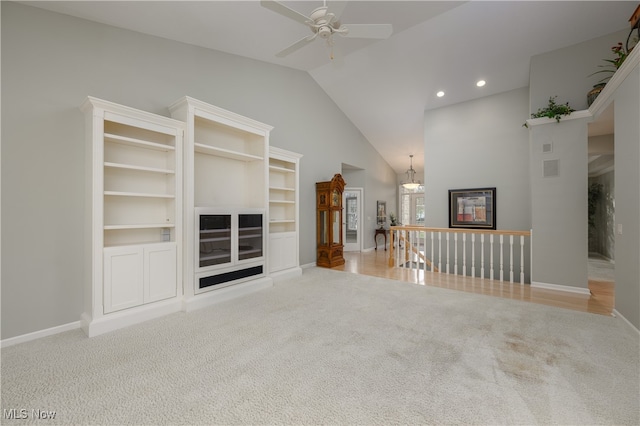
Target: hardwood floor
[(375, 263)]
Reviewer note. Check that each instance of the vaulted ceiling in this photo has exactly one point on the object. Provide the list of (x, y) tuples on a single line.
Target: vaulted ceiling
[(383, 86)]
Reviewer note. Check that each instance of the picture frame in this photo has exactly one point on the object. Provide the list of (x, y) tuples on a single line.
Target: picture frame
[(381, 212), (473, 208)]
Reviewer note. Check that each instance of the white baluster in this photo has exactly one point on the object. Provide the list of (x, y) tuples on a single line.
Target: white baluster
[(407, 247), (464, 255), (482, 255), (397, 260), (473, 255), (447, 252), (440, 251), (424, 265), (491, 256), (411, 246), (510, 258), (521, 259), (501, 257), (400, 251), (433, 260), (455, 254)]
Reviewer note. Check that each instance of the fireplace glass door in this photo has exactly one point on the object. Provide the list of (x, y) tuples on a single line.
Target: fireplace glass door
[(249, 236), (215, 239)]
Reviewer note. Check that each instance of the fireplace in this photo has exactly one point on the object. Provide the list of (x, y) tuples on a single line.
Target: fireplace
[(231, 247)]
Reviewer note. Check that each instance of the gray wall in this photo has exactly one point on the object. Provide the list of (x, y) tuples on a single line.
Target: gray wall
[(51, 62), (486, 148), (558, 73), (559, 203), (627, 176), (565, 72), (477, 144)]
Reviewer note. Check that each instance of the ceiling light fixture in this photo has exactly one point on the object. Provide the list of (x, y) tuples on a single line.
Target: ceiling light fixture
[(411, 184), (481, 83), (440, 94)]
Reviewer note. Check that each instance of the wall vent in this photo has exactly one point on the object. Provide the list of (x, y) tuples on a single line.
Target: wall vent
[(549, 168)]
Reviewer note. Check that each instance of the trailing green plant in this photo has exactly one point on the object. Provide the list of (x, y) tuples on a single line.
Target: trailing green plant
[(553, 110)]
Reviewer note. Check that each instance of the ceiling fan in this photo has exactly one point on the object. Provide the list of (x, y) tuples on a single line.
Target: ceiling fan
[(324, 24)]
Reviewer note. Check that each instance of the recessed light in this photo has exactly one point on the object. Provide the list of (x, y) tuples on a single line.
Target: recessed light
[(481, 83), (440, 94)]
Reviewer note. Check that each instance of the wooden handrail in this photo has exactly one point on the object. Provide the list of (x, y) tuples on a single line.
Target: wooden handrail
[(461, 230)]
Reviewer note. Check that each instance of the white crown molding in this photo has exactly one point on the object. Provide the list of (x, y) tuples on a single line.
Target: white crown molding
[(604, 98)]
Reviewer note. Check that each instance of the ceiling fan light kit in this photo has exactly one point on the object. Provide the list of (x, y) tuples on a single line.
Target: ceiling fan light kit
[(323, 23)]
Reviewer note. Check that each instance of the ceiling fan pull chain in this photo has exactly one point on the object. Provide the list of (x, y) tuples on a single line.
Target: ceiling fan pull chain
[(330, 44)]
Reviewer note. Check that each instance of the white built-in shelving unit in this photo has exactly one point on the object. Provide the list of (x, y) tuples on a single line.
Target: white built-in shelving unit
[(134, 215), (182, 212), (226, 170), (284, 199)]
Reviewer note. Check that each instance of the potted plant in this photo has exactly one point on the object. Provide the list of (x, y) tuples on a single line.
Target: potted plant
[(393, 219), (610, 68), (595, 193), (552, 110)]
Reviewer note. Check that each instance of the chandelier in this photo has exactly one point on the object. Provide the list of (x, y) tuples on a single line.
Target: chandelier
[(411, 182)]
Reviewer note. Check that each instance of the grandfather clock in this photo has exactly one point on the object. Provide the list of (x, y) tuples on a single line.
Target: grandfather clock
[(329, 222)]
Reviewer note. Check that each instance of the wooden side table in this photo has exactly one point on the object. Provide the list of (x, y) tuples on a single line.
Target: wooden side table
[(381, 232)]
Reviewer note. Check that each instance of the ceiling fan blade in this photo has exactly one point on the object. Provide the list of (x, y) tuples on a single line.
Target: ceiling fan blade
[(295, 46), (284, 11), (367, 30)]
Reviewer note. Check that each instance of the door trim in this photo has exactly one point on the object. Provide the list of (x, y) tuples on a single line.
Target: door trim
[(360, 192)]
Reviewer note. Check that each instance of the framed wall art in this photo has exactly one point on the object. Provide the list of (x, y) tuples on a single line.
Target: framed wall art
[(381, 215), (472, 208)]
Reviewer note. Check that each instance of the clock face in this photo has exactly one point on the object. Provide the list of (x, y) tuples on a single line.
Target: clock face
[(335, 199)]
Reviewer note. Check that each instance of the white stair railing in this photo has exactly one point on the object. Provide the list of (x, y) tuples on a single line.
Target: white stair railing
[(423, 248)]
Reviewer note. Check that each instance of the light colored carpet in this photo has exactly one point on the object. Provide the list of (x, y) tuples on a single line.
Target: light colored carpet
[(338, 348)]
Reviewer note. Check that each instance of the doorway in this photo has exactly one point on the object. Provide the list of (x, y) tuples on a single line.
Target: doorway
[(601, 207), (352, 226), (412, 206)]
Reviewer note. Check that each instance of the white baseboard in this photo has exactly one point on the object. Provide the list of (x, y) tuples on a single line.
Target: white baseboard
[(94, 327), (619, 315), (212, 297), (558, 287), (38, 334), (286, 274), (116, 320), (308, 265)]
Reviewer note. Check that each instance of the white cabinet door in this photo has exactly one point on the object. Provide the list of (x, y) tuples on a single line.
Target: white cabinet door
[(275, 252), (134, 275), (283, 251), (122, 278), (289, 250), (159, 272)]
